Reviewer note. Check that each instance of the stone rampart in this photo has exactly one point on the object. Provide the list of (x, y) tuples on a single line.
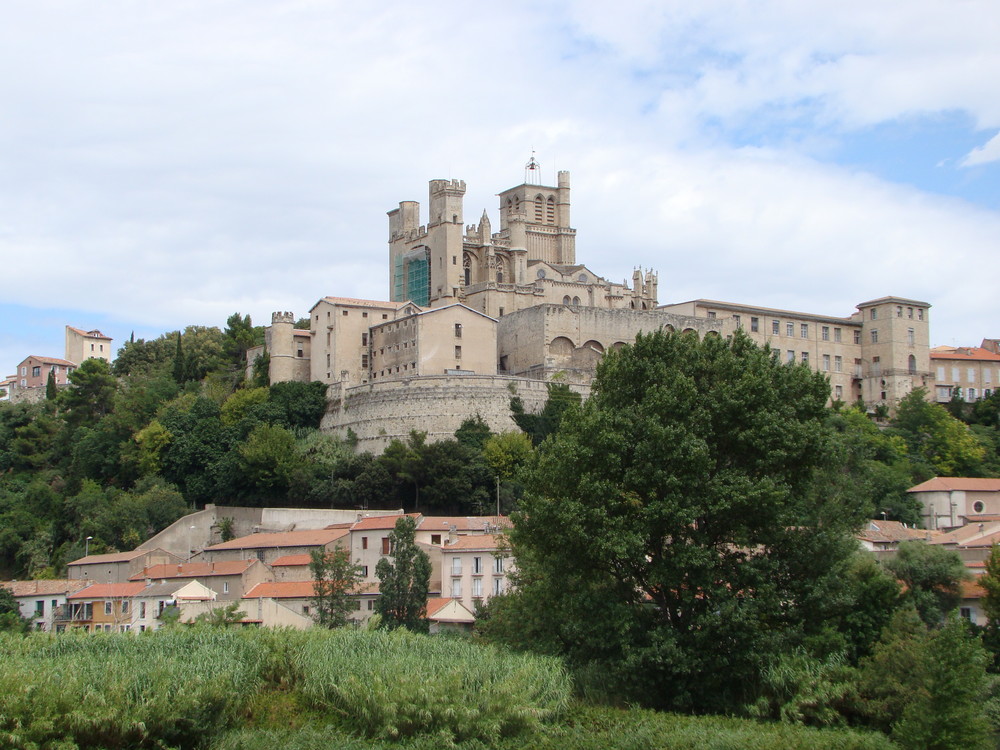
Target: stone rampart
[(379, 412)]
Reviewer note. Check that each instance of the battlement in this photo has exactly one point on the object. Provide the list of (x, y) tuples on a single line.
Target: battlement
[(456, 187), (282, 317)]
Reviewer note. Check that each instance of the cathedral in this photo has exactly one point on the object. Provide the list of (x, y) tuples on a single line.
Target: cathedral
[(475, 316)]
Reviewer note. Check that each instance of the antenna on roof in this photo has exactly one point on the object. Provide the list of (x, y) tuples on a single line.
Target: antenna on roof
[(532, 171)]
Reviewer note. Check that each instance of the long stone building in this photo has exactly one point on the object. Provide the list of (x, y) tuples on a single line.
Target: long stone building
[(476, 316)]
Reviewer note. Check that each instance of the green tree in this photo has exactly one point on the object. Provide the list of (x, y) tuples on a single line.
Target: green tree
[(50, 386), (540, 426), (404, 580), (933, 578), (93, 392), (938, 440), (670, 540), (10, 613), (334, 579), (222, 617)]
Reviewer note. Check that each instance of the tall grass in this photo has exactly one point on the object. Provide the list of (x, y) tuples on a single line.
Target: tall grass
[(124, 691), (397, 684)]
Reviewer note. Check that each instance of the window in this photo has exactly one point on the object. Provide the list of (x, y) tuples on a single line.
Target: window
[(966, 613), (826, 363), (477, 588), (912, 365), (804, 330), (344, 312), (364, 542), (805, 358), (498, 565), (857, 337), (107, 608), (458, 352), (978, 506), (737, 319), (456, 588), (385, 545), (36, 371), (458, 330), (839, 392), (364, 571), (142, 610), (940, 373), (836, 335), (944, 393), (920, 313), (874, 313), (825, 332), (838, 364), (364, 315), (305, 609), (260, 555), (711, 314), (899, 311), (972, 375), (385, 316), (876, 367), (124, 606), (435, 539), (910, 337), (754, 325), (790, 356), (970, 394), (456, 566), (477, 565), (364, 339), (909, 313), (789, 329), (225, 587), (364, 361), (954, 374), (498, 585), (874, 335), (40, 608), (371, 604), (775, 327)]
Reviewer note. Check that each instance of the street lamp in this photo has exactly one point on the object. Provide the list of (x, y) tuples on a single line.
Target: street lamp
[(86, 548)]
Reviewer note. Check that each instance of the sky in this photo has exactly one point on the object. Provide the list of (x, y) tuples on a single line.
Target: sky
[(168, 164)]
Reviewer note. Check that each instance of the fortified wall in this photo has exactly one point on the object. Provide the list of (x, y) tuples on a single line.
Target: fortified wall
[(376, 413)]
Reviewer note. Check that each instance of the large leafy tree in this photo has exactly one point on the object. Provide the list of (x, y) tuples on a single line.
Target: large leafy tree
[(334, 580), (933, 578), (671, 537), (404, 581)]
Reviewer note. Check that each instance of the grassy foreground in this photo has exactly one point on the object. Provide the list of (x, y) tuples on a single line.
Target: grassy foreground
[(260, 690)]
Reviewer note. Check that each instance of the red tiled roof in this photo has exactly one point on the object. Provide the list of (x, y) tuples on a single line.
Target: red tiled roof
[(109, 591), (889, 531), (50, 360), (194, 570), (281, 590), (475, 542), (374, 523), (305, 538), (95, 334), (436, 604), (967, 484), (964, 352), (354, 302), (44, 587), (304, 559), (463, 523), (113, 557)]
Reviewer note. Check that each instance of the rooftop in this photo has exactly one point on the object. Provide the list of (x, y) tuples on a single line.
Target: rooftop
[(193, 570), (967, 484), (305, 538), (109, 591)]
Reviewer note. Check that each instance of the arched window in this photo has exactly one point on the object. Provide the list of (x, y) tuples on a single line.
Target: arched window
[(467, 268), (550, 210), (576, 301), (539, 208), (913, 365), (566, 300)]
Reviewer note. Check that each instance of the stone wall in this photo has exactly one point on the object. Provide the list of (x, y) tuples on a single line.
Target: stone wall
[(377, 413)]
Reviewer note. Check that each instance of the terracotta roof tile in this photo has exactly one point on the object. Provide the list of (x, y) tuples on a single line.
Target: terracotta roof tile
[(281, 590), (476, 542), (113, 557), (889, 531), (969, 484), (305, 538), (463, 523), (375, 523), (108, 591), (964, 353), (194, 570), (303, 559), (44, 587)]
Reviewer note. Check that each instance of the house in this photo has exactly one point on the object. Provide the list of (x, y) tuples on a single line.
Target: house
[(446, 614), (229, 580), (369, 543), (971, 607), (292, 568), (268, 547), (971, 370), (39, 601), (884, 536), (156, 598), (100, 606), (474, 568), (437, 530), (948, 502), (117, 567), (280, 604), (82, 345), (33, 371)]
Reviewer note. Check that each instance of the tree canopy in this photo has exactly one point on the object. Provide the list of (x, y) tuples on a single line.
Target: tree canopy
[(404, 580)]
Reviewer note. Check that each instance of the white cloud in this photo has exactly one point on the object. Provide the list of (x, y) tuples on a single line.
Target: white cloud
[(988, 152)]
